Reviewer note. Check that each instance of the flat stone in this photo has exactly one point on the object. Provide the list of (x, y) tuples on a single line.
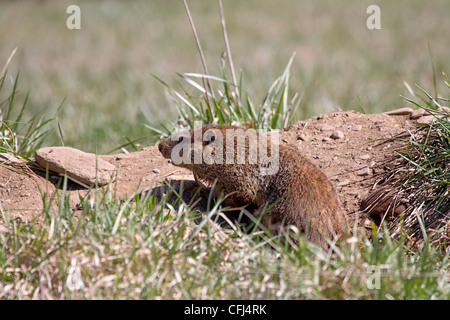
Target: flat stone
[(364, 171), (444, 109), (150, 177), (416, 114), (343, 183), (84, 167), (364, 156), (400, 112), (326, 127), (426, 119), (9, 158), (357, 127)]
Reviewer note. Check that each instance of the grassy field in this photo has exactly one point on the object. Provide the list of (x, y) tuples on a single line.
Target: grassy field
[(101, 79), (103, 72)]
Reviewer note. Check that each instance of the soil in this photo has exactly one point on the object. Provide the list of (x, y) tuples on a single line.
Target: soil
[(354, 150)]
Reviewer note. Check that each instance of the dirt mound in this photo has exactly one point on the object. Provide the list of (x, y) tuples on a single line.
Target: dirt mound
[(350, 147)]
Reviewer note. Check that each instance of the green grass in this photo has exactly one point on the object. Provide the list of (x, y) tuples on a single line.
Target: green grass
[(150, 253), (17, 136)]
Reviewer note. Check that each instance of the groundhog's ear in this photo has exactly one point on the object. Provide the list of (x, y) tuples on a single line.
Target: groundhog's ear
[(178, 138)]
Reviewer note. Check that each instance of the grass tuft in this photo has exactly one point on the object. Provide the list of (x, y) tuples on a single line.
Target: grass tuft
[(427, 177), (17, 136), (277, 110)]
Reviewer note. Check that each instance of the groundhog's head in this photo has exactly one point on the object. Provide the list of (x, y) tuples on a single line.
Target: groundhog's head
[(214, 146), (196, 146)]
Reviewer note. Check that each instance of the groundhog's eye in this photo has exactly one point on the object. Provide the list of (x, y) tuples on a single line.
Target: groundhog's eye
[(211, 139), (180, 139)]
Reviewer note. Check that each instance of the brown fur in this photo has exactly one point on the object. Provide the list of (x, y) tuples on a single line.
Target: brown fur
[(300, 193)]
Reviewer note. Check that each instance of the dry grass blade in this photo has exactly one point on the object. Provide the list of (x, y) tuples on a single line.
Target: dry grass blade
[(230, 59), (202, 57), (7, 63)]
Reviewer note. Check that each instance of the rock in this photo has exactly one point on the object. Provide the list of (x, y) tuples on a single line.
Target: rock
[(149, 177), (84, 167), (357, 127), (363, 171), (326, 127), (121, 157), (343, 183), (155, 170), (9, 158), (426, 119), (301, 137), (400, 112), (444, 109), (364, 156), (337, 135), (416, 114)]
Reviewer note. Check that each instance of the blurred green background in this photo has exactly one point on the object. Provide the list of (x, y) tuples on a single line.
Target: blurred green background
[(104, 71)]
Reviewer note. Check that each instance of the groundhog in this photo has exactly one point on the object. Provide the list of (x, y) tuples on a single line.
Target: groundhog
[(255, 170)]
